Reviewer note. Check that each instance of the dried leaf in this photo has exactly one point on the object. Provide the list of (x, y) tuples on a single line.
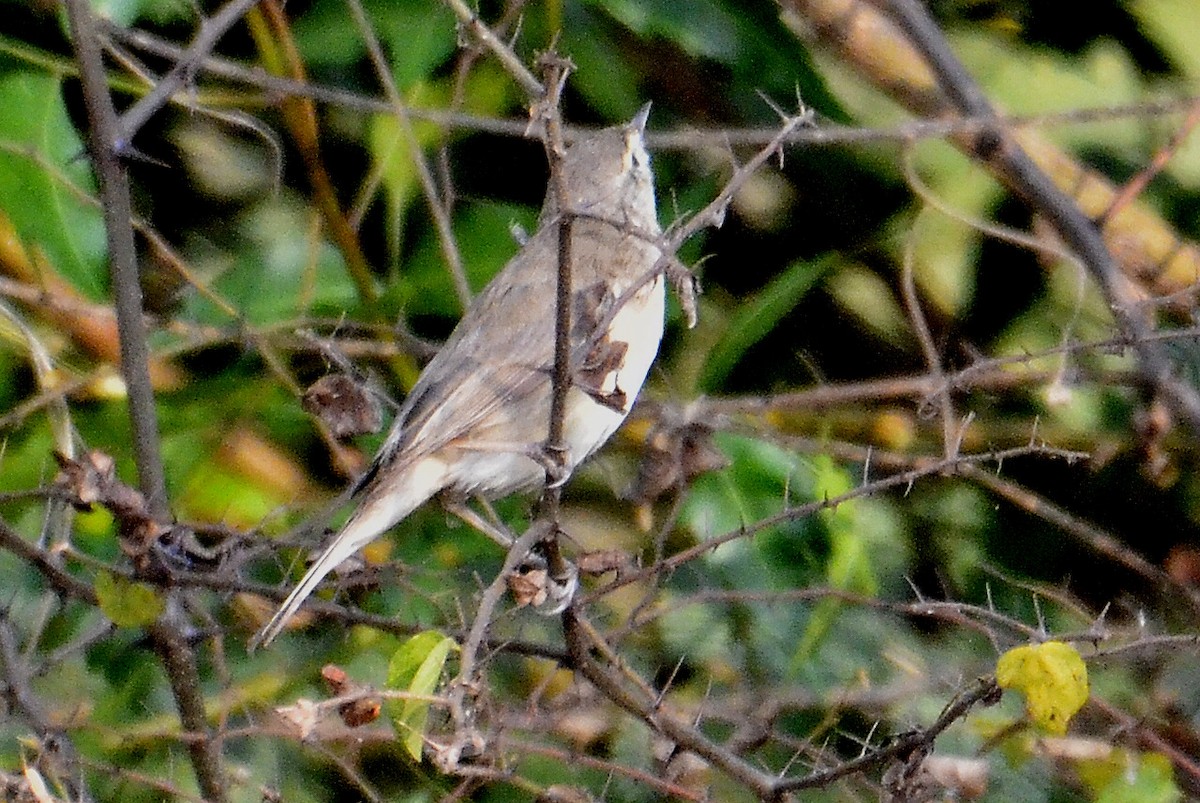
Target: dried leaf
[(344, 405)]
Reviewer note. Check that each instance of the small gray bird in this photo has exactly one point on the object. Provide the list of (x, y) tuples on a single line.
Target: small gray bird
[(478, 416)]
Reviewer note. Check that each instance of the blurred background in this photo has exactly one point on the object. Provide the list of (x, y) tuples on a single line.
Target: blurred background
[(284, 235)]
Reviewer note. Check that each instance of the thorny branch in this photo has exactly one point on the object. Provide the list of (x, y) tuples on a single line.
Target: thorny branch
[(400, 110), (1081, 234), (592, 655), (187, 63), (168, 634)]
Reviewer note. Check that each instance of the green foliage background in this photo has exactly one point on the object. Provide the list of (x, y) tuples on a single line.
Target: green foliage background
[(802, 290)]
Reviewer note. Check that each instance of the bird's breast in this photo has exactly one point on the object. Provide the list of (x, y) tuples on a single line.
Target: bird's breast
[(596, 408)]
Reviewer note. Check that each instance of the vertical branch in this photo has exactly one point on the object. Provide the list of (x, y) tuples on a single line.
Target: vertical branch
[(179, 662), (178, 658), (557, 70), (545, 528), (920, 325), (122, 255)]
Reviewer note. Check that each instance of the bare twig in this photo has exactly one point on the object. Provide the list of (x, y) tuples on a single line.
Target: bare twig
[(933, 359), (467, 684), (902, 746), (187, 63), (441, 215), (122, 253), (1063, 214), (1088, 533), (545, 528), (274, 37), (20, 698), (1134, 187), (175, 652), (503, 53), (557, 70), (582, 640), (824, 134), (904, 479), (714, 213)]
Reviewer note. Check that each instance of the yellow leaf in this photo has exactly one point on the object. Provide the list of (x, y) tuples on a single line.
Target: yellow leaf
[(1052, 677)]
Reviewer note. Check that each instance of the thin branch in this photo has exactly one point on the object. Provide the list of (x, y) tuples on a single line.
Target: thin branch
[(1182, 758), (274, 38), (1134, 187), (902, 746), (400, 110), (1087, 533), (920, 325), (122, 254), (924, 468), (19, 697), (714, 213), (59, 579), (466, 685), (646, 778), (582, 640), (186, 64), (1081, 234), (503, 53), (556, 75), (826, 134), (989, 374), (168, 632)]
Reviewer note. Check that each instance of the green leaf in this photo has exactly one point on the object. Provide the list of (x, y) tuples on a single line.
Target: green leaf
[(612, 92), (415, 58), (1053, 678), (708, 30), (42, 181), (285, 272), (419, 37), (756, 484), (1171, 24), (487, 92), (947, 249), (849, 564), (1129, 777), (127, 603), (392, 159), (1102, 75), (758, 315), (416, 667), (485, 240), (867, 297), (120, 12)]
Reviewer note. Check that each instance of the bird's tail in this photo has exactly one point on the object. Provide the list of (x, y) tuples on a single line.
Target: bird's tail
[(385, 504)]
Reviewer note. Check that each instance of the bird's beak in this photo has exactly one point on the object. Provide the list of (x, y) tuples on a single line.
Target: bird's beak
[(638, 123)]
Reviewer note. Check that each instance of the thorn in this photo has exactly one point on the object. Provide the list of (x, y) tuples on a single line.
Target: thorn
[(775, 107)]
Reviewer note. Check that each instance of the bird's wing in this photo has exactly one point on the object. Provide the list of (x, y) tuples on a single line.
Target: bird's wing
[(499, 357)]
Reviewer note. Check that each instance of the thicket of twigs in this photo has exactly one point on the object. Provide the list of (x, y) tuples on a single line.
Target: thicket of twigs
[(908, 513)]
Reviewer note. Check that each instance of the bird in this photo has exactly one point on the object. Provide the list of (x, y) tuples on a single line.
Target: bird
[(476, 420)]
